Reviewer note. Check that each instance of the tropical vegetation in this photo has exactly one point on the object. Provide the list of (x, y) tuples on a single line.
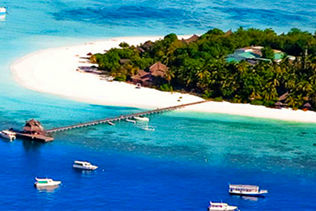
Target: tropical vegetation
[(200, 66)]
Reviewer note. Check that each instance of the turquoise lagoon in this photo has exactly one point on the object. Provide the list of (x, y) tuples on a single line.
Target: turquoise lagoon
[(188, 160)]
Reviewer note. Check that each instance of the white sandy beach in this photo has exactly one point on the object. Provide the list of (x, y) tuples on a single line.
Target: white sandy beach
[(53, 71)]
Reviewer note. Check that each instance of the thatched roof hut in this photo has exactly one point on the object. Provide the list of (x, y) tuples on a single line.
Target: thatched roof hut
[(158, 69), (142, 74), (191, 39), (142, 77), (307, 106), (147, 45), (284, 96), (141, 50), (229, 32), (33, 126), (278, 104)]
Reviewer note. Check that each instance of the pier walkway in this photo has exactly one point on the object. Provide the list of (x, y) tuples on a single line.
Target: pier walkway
[(122, 117)]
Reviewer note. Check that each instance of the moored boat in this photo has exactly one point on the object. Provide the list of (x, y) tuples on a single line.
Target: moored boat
[(84, 165), (3, 10), (8, 134), (246, 190), (111, 123), (221, 207), (130, 120), (139, 118), (45, 182)]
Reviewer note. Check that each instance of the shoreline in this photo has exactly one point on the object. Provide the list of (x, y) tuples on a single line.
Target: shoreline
[(53, 71)]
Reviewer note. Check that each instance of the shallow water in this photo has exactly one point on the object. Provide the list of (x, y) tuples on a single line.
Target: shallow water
[(188, 160)]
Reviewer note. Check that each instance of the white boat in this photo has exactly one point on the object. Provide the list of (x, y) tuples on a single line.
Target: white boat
[(46, 183), (246, 190), (139, 118), (2, 17), (130, 120), (8, 135), (221, 207), (111, 123), (3, 10), (84, 165)]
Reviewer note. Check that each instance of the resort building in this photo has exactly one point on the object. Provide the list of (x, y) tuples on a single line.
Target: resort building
[(191, 39), (245, 54), (155, 75), (158, 69), (278, 55), (142, 77), (33, 127), (253, 54)]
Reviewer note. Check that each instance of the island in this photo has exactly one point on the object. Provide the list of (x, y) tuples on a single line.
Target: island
[(252, 66), (247, 72)]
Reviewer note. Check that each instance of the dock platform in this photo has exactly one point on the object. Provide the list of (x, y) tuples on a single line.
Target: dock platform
[(34, 137)]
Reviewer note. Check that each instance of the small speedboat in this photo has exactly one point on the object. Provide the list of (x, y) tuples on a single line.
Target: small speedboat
[(3, 10), (8, 135), (221, 207), (130, 120), (84, 165), (45, 183), (246, 190), (139, 118), (111, 123)]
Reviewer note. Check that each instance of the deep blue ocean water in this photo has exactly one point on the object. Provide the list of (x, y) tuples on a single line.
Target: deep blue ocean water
[(188, 160)]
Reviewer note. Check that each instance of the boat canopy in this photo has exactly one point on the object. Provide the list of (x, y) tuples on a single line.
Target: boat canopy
[(81, 162), (245, 187), (42, 180), (218, 205), (8, 132)]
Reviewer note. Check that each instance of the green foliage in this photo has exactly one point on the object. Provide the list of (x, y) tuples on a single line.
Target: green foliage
[(170, 37), (267, 52), (166, 87), (218, 99), (200, 66), (120, 77), (123, 45), (257, 102)]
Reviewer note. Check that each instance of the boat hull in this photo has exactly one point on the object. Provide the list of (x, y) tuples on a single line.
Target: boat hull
[(10, 137), (228, 209), (3, 10), (91, 168), (51, 184), (248, 194), (144, 119)]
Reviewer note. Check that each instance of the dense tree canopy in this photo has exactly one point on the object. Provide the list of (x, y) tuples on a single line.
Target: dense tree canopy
[(200, 66)]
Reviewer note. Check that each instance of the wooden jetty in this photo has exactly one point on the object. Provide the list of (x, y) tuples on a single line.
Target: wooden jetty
[(34, 137), (34, 131), (119, 118)]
